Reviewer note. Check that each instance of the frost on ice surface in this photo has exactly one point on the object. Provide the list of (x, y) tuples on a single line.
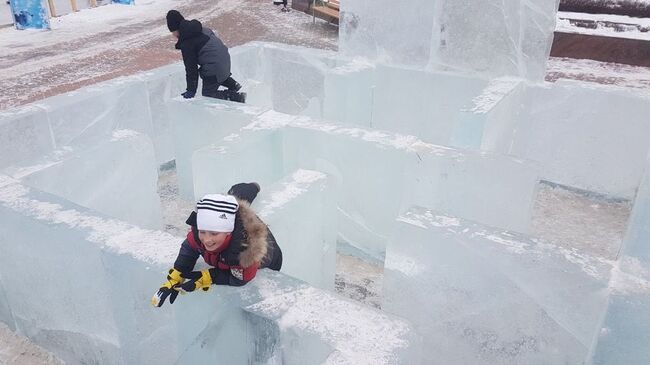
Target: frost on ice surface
[(337, 322), (430, 174)]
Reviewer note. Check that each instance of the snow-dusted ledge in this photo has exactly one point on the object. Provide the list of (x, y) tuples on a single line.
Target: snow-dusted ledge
[(79, 284), (506, 297)]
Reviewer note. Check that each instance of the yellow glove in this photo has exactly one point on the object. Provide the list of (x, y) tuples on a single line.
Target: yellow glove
[(197, 280), (168, 289)]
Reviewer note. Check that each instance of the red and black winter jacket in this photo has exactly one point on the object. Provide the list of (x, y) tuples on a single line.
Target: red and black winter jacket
[(250, 247)]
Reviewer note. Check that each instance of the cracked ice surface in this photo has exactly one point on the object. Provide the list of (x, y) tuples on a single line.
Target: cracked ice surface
[(490, 37), (458, 281)]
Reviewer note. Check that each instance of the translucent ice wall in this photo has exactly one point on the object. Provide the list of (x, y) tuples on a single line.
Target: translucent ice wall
[(439, 107), (480, 295), (591, 138), (396, 170), (288, 79), (24, 135), (89, 115), (59, 246), (198, 123), (299, 207), (626, 328), (491, 37), (122, 168), (308, 238)]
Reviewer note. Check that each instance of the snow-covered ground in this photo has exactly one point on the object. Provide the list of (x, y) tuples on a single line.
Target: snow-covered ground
[(616, 74), (114, 40), (606, 25), (18, 350)]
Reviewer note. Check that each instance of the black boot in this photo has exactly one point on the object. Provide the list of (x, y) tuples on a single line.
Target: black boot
[(231, 96), (236, 96), (231, 84)]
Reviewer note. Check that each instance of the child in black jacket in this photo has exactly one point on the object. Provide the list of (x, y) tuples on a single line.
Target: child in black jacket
[(230, 237), (205, 55)]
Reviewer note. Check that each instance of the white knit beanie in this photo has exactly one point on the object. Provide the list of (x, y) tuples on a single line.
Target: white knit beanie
[(216, 213)]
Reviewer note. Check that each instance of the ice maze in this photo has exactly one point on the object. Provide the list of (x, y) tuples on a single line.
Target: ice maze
[(422, 153)]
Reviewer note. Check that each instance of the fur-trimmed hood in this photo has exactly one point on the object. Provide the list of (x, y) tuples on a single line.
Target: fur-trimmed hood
[(256, 234)]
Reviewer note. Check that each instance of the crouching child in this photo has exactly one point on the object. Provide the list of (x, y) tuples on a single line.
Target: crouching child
[(230, 237)]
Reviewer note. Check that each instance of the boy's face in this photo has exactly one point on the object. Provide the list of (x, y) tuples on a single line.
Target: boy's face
[(176, 34), (212, 240)]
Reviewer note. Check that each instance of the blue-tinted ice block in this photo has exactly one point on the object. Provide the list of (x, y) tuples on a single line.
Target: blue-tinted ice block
[(489, 121), (397, 170), (481, 295), (591, 138), (492, 38), (349, 89), (200, 122), (288, 79), (91, 114), (303, 203), (424, 104), (493, 189), (28, 14), (163, 84), (24, 135), (296, 76), (374, 30), (320, 327), (625, 332), (242, 156), (400, 170), (117, 177), (53, 245), (108, 319), (301, 211)]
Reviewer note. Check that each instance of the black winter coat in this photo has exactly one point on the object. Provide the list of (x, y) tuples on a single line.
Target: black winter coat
[(251, 246), (203, 53)]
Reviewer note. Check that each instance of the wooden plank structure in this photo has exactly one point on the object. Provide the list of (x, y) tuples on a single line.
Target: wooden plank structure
[(73, 5), (50, 3), (327, 10)]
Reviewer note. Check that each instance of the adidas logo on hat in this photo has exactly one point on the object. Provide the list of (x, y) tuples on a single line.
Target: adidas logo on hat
[(216, 213)]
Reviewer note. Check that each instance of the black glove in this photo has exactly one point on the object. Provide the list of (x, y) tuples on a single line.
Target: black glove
[(188, 94), (169, 289), (198, 280)]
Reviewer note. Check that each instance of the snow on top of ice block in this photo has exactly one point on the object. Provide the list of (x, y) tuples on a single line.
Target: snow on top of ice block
[(515, 243), (361, 335), (275, 120), (355, 65), (59, 155), (301, 180), (231, 137), (155, 247), (633, 278), (404, 264), (208, 103), (55, 157), (271, 120), (19, 111), (121, 134), (427, 218), (493, 93)]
